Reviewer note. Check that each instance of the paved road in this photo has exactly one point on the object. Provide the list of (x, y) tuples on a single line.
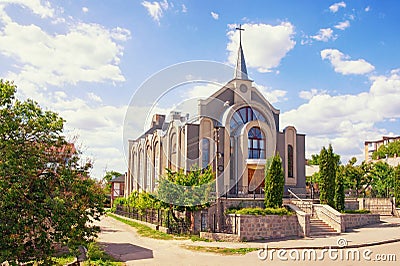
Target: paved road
[(122, 242)]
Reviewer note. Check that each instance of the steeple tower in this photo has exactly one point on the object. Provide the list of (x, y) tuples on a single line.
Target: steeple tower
[(241, 70)]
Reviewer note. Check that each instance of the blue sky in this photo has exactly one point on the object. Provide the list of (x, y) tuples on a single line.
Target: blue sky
[(331, 67)]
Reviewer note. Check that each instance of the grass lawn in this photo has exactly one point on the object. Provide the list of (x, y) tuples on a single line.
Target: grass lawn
[(220, 250), (146, 231)]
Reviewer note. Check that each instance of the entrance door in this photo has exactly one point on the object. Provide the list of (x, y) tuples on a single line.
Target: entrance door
[(256, 181)]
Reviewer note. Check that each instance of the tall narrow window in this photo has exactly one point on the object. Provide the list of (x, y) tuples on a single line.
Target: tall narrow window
[(156, 163), (205, 152), (256, 144), (149, 165), (290, 160)]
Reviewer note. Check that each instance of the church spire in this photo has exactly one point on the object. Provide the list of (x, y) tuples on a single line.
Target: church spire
[(241, 70)]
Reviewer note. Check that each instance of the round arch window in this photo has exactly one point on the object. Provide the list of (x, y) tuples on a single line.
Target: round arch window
[(256, 144)]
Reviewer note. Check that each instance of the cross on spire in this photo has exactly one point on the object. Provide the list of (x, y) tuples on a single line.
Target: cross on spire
[(241, 70), (240, 29)]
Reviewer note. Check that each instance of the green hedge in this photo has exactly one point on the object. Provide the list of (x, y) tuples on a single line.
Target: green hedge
[(356, 211), (260, 211)]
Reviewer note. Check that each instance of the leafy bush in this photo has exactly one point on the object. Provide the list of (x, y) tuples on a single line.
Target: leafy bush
[(260, 211)]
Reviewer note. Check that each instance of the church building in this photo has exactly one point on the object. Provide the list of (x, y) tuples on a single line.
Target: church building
[(235, 132)]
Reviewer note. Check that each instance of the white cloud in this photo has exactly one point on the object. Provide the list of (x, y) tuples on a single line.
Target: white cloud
[(184, 8), (85, 9), (367, 9), (335, 7), (86, 52), (264, 45), (273, 96), (347, 120), (308, 95), (38, 7), (93, 97), (155, 9), (344, 66), (215, 15), (324, 35), (343, 25)]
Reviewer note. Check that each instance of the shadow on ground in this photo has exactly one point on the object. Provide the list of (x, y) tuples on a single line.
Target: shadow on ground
[(125, 251)]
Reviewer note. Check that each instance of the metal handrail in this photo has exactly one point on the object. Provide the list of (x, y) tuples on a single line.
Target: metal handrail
[(294, 195)]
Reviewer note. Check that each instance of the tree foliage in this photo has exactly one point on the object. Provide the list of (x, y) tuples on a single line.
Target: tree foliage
[(339, 189), (328, 164), (189, 190), (46, 195), (397, 185), (107, 178), (274, 182), (390, 150)]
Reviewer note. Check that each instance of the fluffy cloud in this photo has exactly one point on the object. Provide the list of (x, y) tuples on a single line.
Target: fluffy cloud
[(184, 8), (343, 25), (324, 35), (156, 9), (85, 9), (344, 66), (347, 120), (42, 63), (215, 15), (335, 7), (86, 52), (38, 7), (264, 45), (307, 95)]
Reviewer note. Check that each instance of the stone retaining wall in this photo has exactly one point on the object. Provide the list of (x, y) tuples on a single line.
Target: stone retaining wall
[(357, 220), (220, 237), (257, 227)]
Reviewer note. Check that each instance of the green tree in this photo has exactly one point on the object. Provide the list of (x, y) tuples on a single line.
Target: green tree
[(314, 159), (328, 164), (354, 176), (46, 195), (397, 184), (389, 150), (274, 182), (339, 189), (383, 177), (187, 192), (107, 178)]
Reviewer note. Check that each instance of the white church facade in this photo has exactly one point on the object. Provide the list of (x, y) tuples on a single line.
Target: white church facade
[(235, 132)]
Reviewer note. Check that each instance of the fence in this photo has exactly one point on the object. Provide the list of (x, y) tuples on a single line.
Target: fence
[(177, 225)]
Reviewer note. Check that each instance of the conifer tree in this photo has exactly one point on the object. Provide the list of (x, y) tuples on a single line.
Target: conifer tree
[(274, 182)]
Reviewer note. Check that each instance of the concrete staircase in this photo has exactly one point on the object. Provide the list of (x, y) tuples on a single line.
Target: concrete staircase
[(319, 228)]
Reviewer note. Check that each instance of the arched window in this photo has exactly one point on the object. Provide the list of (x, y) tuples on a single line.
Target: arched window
[(256, 144), (149, 173), (173, 152), (290, 160), (205, 152), (156, 163), (244, 115), (141, 170)]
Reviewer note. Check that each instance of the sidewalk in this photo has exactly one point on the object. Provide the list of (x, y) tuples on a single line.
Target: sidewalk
[(122, 242), (388, 231)]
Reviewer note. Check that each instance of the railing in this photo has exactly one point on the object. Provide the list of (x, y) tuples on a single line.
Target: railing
[(245, 192), (331, 216), (156, 217), (294, 195)]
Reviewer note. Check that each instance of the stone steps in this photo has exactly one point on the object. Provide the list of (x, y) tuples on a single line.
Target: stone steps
[(320, 228)]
